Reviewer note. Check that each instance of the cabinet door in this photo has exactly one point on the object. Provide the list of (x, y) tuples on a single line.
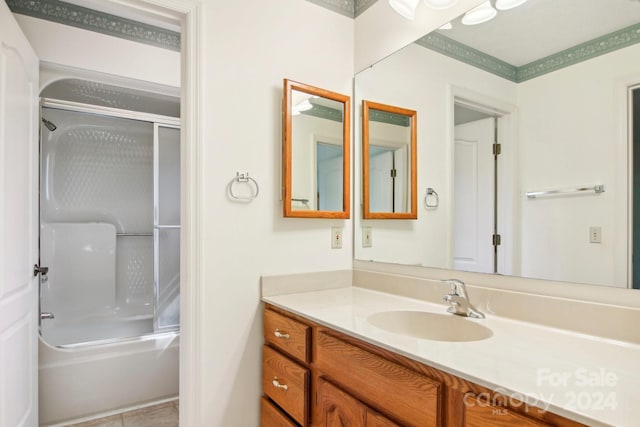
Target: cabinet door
[(479, 413), (271, 416), (337, 408), (376, 420)]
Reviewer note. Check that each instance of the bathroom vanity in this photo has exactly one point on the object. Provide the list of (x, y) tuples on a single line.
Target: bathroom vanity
[(325, 364)]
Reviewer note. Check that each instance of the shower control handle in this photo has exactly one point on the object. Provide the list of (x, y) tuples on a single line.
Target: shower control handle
[(40, 270), (46, 315)]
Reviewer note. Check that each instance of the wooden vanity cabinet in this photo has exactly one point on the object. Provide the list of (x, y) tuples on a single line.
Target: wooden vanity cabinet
[(335, 380)]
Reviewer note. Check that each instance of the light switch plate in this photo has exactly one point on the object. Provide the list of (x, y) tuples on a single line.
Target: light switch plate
[(336, 238), (367, 237)]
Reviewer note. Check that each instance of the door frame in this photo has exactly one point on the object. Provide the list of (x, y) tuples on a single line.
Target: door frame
[(188, 12), (508, 256), (624, 158)]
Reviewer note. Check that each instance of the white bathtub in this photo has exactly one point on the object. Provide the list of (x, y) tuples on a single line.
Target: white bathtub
[(91, 380)]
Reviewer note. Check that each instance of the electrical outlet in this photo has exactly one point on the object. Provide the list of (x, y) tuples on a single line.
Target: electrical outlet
[(595, 234), (367, 237), (336, 238)]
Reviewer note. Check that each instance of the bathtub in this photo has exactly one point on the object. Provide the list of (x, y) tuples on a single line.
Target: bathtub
[(90, 380)]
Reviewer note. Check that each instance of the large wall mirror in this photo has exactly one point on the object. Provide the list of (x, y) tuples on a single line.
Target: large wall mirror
[(316, 153), (388, 161), (526, 134)]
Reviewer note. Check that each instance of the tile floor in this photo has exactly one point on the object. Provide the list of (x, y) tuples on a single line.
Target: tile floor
[(162, 415)]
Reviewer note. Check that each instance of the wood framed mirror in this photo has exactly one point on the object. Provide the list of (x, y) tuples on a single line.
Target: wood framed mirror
[(389, 162), (315, 152)]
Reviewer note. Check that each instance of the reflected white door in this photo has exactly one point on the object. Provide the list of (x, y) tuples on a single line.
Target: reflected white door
[(18, 226), (474, 196), (381, 181), (330, 175)]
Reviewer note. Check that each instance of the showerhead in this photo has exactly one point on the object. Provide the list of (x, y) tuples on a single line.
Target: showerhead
[(49, 125)]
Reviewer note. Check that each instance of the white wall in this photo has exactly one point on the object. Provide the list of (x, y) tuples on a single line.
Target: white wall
[(77, 48), (576, 136), (249, 47), (431, 78)]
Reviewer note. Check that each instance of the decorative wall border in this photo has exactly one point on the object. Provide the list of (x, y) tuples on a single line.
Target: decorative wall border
[(591, 49), (456, 50), (100, 22), (389, 118), (116, 26), (588, 50), (324, 112)]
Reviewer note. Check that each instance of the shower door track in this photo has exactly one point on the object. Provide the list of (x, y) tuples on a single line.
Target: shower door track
[(109, 112)]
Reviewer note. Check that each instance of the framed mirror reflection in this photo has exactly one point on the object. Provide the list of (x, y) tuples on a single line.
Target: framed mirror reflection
[(315, 152), (557, 93), (388, 161)]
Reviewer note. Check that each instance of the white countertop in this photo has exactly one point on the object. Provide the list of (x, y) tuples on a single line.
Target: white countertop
[(587, 379)]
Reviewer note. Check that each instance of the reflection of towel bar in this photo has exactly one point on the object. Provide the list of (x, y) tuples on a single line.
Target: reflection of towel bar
[(134, 234), (305, 201), (431, 193), (596, 189)]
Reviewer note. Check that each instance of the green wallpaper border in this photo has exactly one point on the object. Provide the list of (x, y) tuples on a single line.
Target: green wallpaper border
[(588, 50), (324, 112), (100, 22), (456, 50), (591, 49), (112, 25)]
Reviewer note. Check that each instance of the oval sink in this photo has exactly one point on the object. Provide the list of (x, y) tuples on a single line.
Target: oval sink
[(429, 326)]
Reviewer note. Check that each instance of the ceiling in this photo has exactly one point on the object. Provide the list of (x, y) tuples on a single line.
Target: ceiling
[(540, 28)]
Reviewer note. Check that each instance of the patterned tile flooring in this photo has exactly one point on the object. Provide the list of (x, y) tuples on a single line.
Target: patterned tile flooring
[(162, 415)]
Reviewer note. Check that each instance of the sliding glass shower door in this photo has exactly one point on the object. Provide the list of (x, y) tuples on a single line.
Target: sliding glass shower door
[(166, 224)]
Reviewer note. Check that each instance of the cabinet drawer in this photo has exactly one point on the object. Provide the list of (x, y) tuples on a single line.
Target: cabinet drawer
[(271, 416), (287, 334), (286, 383), (480, 413), (408, 396)]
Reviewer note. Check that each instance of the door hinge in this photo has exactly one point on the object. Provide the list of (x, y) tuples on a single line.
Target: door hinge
[(496, 240), (393, 173), (40, 270), (497, 149)]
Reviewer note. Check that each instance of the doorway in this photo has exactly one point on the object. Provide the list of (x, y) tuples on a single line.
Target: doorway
[(184, 12), (476, 188), (635, 176)]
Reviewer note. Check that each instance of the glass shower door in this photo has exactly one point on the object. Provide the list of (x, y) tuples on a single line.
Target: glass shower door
[(166, 233)]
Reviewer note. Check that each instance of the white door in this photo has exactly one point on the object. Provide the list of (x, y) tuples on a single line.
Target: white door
[(380, 180), (473, 212), (18, 226)]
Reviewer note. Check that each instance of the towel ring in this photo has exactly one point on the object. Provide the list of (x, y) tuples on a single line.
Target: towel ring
[(244, 178), (431, 192)]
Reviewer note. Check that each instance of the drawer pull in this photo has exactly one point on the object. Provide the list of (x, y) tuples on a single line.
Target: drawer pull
[(276, 384), (279, 334)]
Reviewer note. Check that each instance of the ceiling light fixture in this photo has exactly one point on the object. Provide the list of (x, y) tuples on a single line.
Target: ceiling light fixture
[(406, 8), (440, 4), (508, 4), (480, 14)]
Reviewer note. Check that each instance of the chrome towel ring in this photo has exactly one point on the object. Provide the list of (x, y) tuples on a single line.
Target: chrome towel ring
[(244, 178), (431, 199)]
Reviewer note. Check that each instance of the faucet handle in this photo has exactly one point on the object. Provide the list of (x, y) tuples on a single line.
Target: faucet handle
[(457, 287)]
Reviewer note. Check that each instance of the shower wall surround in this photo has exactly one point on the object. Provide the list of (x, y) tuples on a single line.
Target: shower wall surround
[(109, 213)]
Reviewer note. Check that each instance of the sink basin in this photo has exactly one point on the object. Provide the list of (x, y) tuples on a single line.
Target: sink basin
[(430, 326)]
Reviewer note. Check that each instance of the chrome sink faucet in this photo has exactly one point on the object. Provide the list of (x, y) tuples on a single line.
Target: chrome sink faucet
[(459, 300)]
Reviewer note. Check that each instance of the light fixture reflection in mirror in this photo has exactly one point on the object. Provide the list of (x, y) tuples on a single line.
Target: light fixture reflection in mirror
[(389, 161), (316, 165)]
